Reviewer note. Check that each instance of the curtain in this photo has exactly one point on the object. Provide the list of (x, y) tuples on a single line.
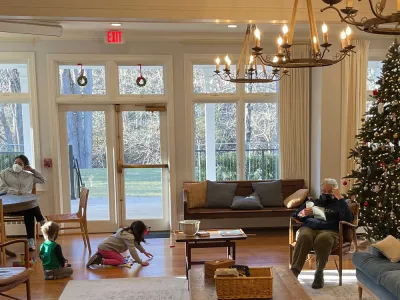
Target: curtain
[(354, 89), (294, 120)]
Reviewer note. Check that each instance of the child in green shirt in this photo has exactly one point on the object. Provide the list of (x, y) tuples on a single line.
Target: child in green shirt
[(55, 266)]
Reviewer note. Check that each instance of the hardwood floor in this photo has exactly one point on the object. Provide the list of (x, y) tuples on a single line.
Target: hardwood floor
[(265, 248)]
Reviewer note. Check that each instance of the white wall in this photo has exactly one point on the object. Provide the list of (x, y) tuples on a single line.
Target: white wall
[(326, 117)]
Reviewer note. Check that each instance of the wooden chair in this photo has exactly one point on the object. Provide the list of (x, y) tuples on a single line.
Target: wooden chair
[(347, 235), (21, 218), (79, 217), (12, 277)]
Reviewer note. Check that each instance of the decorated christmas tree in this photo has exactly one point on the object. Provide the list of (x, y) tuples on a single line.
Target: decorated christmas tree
[(376, 178)]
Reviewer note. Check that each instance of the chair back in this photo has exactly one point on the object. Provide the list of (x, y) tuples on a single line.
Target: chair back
[(33, 189), (347, 231), (2, 234), (83, 200)]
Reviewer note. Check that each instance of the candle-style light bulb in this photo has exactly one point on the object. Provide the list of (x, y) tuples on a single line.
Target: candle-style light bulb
[(257, 35), (217, 62), (227, 63), (279, 41), (276, 59), (348, 34), (285, 29), (251, 62), (325, 33), (343, 37)]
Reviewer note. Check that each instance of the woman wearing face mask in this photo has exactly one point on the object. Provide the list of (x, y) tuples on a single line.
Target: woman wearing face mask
[(19, 180)]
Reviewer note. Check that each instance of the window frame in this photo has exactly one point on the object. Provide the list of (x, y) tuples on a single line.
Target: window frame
[(30, 98), (240, 98)]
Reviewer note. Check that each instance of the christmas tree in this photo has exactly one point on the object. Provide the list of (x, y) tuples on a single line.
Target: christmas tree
[(376, 176)]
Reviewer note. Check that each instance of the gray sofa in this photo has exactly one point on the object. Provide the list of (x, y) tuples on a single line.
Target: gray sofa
[(377, 275)]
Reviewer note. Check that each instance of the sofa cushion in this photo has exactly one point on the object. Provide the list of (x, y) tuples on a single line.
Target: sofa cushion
[(296, 199), (270, 193), (390, 247), (372, 266), (391, 281), (196, 193), (249, 202), (220, 195), (379, 291)]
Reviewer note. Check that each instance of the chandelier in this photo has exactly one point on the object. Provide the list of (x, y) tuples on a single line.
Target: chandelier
[(377, 24), (251, 73), (284, 59)]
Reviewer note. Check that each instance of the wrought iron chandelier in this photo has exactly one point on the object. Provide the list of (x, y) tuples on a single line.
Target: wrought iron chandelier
[(251, 73), (378, 24)]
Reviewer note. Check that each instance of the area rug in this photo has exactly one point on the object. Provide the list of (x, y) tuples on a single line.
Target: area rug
[(332, 290), (140, 288)]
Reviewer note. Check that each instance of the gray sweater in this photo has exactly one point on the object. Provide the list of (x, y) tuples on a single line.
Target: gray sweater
[(122, 241), (13, 183)]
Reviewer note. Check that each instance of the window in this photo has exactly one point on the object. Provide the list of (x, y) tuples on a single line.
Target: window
[(96, 80), (16, 101), (373, 74), (205, 81), (235, 127), (262, 88), (154, 76), (215, 141)]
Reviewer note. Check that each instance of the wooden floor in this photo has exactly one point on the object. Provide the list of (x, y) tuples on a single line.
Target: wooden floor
[(261, 249)]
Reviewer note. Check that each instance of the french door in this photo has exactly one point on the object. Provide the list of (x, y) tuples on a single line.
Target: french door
[(119, 152)]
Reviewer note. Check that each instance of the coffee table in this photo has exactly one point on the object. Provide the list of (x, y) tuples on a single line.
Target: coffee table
[(285, 285), (215, 240)]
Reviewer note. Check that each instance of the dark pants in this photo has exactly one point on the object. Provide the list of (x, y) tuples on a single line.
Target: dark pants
[(29, 219), (322, 241)]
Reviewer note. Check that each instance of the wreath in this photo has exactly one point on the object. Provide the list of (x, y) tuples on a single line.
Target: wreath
[(82, 79), (141, 81)]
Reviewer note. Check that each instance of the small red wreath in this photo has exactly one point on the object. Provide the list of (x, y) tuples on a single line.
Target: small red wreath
[(141, 81)]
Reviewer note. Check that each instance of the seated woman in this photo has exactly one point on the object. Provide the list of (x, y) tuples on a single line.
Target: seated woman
[(19, 180)]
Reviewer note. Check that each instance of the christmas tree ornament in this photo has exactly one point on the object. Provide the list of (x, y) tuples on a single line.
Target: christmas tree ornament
[(365, 188), (345, 182), (380, 204), (365, 203), (377, 188), (375, 92), (396, 136), (392, 214), (376, 133), (380, 108), (395, 102)]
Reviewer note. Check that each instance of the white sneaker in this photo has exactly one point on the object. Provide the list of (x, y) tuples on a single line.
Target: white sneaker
[(31, 243)]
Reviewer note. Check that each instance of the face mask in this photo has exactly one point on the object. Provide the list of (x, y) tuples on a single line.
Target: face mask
[(326, 198), (17, 168)]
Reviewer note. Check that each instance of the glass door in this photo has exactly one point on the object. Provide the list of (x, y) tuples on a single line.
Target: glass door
[(143, 174), (87, 138)]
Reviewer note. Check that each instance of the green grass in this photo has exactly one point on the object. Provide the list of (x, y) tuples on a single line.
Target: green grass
[(138, 182)]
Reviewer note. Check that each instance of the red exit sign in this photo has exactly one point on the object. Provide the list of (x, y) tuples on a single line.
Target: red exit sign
[(114, 37)]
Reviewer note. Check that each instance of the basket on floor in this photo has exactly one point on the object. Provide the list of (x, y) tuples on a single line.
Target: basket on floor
[(258, 285)]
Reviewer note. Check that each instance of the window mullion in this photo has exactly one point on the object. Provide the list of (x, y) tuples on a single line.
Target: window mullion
[(240, 133)]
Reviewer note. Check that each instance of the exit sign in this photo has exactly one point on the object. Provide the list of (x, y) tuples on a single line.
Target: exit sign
[(114, 37)]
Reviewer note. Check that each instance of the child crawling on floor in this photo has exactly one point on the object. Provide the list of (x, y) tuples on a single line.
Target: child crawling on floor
[(55, 266), (127, 238)]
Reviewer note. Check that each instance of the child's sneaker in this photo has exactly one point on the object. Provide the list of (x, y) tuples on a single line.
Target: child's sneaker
[(96, 259), (31, 243)]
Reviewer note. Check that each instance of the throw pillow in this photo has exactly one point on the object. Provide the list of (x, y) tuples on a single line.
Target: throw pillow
[(220, 195), (296, 199), (390, 247), (270, 193), (196, 194), (249, 202)]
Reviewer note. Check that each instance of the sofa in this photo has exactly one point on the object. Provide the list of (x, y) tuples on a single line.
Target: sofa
[(244, 188), (377, 275)]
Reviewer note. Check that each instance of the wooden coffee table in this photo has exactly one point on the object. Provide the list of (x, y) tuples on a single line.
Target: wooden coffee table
[(285, 285), (215, 240)]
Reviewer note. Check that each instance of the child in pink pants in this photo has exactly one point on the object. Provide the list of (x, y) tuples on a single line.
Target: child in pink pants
[(127, 238)]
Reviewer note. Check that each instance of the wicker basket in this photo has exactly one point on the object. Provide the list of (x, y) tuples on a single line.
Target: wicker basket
[(258, 285), (211, 266)]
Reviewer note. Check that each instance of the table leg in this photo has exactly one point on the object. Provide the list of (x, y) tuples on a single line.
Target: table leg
[(228, 251), (189, 257), (234, 251), (186, 260)]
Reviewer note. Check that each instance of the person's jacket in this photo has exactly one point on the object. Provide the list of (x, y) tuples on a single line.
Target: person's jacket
[(19, 183), (335, 211)]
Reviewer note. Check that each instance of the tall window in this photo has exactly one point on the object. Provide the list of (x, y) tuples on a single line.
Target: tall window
[(15, 104), (373, 73), (235, 127)]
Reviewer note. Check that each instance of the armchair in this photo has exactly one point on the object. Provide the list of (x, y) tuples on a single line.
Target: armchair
[(347, 235), (12, 277)]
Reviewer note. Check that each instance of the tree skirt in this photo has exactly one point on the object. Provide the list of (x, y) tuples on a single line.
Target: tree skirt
[(332, 290), (150, 288)]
